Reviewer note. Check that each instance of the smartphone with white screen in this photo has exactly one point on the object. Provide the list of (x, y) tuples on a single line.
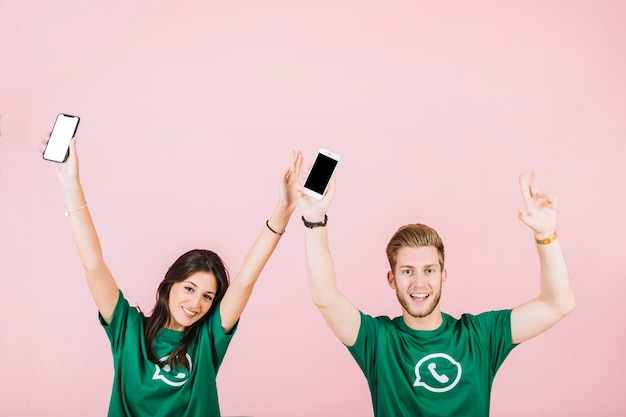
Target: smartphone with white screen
[(321, 173), (58, 147)]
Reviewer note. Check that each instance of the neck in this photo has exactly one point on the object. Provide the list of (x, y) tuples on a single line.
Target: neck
[(429, 322)]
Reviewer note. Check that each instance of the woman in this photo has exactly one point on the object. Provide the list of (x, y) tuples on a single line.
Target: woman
[(166, 364)]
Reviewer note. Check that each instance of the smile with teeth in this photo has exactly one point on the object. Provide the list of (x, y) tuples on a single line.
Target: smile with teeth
[(419, 296), (187, 312)]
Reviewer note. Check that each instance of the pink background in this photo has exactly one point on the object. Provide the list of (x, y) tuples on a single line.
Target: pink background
[(189, 111)]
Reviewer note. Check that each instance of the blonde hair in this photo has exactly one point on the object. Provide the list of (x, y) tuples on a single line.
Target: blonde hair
[(414, 236)]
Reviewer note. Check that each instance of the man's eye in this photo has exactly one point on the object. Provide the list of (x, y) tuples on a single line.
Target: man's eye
[(407, 272), (430, 271)]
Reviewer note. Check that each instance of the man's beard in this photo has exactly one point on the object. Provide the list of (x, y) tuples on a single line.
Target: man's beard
[(433, 304)]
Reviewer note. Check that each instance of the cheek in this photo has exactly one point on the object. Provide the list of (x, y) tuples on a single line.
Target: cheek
[(436, 282), (206, 304)]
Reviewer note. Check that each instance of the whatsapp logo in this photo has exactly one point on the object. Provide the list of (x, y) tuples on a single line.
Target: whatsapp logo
[(176, 377), (437, 372)]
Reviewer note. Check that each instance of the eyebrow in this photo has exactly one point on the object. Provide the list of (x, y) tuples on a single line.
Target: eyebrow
[(413, 267), (194, 284)]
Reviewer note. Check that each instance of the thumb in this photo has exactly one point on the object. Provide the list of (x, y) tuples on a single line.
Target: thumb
[(521, 214), (332, 186)]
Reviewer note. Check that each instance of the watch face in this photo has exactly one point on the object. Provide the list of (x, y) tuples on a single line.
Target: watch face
[(547, 240)]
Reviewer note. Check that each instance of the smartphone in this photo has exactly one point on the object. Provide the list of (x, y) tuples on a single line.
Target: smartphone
[(58, 147), (321, 173)]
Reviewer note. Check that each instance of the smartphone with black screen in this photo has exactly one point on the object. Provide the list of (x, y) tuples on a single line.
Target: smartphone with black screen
[(321, 172), (58, 147)]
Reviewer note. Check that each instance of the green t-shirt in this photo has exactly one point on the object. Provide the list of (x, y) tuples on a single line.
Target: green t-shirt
[(444, 372), (142, 388)]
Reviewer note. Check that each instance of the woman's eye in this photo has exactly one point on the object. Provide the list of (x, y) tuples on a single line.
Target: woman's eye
[(208, 297), (188, 289)]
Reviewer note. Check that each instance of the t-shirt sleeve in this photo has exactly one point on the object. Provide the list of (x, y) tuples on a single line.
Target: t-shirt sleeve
[(495, 331), (217, 337), (364, 349), (119, 322)]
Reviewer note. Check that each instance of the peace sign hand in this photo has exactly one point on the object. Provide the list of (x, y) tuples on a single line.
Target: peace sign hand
[(539, 211)]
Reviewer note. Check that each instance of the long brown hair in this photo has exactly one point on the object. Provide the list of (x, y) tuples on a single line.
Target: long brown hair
[(188, 263)]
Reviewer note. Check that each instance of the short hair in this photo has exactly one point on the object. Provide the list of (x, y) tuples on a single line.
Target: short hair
[(414, 236)]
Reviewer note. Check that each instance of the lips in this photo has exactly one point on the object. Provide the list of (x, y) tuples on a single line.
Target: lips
[(419, 296), (188, 313)]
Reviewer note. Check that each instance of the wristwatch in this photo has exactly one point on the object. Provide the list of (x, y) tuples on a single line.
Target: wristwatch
[(547, 240), (311, 225)]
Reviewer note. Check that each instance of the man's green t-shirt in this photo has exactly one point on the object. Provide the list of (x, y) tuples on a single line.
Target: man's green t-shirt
[(142, 388), (444, 372)]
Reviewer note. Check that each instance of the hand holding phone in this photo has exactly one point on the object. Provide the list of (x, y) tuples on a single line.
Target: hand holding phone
[(58, 146), (321, 172)]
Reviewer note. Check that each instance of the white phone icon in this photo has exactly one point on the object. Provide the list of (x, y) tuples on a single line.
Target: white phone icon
[(441, 378)]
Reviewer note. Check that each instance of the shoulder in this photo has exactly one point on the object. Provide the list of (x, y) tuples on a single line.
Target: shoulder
[(379, 324), (123, 312), (485, 321), (212, 325), (378, 320)]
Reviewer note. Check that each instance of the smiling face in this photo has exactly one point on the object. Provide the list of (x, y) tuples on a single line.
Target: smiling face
[(191, 299), (418, 278)]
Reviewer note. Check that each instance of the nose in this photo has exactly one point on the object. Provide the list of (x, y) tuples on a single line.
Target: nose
[(420, 279), (195, 301)]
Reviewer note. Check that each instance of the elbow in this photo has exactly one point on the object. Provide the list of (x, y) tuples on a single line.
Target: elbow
[(571, 305), (94, 266), (320, 302), (567, 305), (322, 299)]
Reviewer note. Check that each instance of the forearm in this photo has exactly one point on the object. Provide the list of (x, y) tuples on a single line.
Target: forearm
[(320, 267), (556, 288), (264, 245), (83, 229)]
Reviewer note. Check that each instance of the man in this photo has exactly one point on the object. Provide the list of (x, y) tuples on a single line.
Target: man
[(425, 362)]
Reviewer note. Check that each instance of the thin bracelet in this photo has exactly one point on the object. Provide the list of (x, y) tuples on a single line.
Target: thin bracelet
[(267, 223), (68, 212)]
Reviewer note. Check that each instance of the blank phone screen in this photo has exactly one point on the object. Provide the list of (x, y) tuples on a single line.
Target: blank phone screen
[(62, 133), (320, 174)]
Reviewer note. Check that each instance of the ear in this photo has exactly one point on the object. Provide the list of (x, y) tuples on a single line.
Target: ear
[(444, 276), (391, 280)]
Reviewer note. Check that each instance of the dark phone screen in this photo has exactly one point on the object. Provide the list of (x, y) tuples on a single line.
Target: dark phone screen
[(320, 173)]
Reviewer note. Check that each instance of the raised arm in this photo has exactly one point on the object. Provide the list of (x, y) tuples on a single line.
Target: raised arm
[(556, 298), (340, 314), (99, 279), (240, 289)]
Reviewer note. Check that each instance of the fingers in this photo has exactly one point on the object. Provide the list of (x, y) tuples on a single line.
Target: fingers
[(547, 200), (43, 143), (533, 183), (42, 146), (296, 162), (521, 214), (531, 191), (293, 172), (73, 148), (525, 191), (304, 171)]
